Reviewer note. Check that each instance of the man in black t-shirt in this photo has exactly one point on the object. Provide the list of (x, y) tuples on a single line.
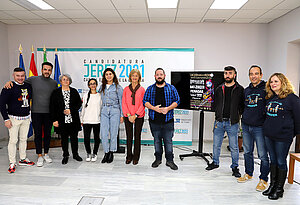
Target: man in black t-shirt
[(229, 105), (161, 98)]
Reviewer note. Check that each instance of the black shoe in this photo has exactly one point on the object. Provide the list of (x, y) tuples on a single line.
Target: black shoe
[(236, 172), (172, 165), (77, 158), (65, 160), (278, 189), (273, 178), (211, 166), (104, 160), (156, 163), (110, 157)]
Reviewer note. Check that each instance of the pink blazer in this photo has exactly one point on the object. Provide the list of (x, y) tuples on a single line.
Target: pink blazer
[(128, 107)]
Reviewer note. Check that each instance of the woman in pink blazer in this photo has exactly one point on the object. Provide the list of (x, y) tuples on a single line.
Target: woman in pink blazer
[(134, 112)]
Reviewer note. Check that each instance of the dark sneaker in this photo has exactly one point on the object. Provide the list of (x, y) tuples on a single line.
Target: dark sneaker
[(236, 172), (77, 158), (172, 165), (26, 162), (110, 157), (65, 160), (105, 157), (156, 163), (212, 166), (11, 168)]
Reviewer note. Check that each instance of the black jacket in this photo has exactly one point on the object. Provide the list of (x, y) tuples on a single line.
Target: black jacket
[(255, 102), (237, 103), (57, 107), (282, 118)]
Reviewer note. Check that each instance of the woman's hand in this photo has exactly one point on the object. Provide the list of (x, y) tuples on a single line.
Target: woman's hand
[(67, 111), (121, 119), (132, 118), (55, 124)]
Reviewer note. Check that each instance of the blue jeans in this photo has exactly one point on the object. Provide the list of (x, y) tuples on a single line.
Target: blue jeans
[(163, 132), (253, 134), (278, 152), (109, 125), (232, 132)]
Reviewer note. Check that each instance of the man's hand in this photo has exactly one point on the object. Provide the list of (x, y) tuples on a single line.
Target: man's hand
[(8, 124), (8, 85), (132, 118), (55, 124), (156, 108), (67, 111), (164, 110)]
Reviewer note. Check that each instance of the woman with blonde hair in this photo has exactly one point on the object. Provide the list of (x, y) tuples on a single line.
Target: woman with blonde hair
[(134, 112), (282, 124)]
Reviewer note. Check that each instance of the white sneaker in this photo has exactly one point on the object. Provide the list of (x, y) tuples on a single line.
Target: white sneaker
[(94, 158), (47, 158), (88, 157), (40, 162)]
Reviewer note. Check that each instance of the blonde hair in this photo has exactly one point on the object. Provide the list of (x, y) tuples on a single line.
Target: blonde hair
[(135, 71), (285, 89)]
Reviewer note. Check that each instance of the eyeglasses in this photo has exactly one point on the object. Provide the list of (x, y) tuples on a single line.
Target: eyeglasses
[(92, 84)]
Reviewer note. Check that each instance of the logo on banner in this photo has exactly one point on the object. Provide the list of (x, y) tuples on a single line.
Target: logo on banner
[(94, 68), (181, 131)]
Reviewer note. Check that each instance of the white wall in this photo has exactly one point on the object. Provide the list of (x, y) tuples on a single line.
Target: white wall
[(216, 45), (3, 69), (281, 32)]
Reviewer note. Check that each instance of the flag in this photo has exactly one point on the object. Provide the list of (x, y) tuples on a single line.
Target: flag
[(32, 69), (21, 65), (45, 55), (57, 71)]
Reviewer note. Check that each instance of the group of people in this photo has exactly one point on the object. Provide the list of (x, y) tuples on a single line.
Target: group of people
[(100, 111), (270, 118)]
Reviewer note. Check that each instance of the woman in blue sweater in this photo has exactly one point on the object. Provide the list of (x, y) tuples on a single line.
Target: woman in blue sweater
[(282, 124)]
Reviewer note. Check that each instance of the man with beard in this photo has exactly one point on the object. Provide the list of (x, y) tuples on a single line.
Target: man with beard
[(229, 105), (42, 87), (161, 98)]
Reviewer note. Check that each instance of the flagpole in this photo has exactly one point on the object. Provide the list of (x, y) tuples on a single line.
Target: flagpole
[(20, 48)]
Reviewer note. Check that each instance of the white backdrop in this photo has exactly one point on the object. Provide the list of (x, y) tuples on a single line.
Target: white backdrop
[(85, 63)]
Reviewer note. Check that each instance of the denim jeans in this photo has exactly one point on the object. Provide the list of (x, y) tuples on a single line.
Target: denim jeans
[(278, 152), (253, 134), (232, 132), (109, 125), (163, 132)]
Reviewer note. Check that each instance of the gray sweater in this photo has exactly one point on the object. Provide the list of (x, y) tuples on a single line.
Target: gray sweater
[(42, 89)]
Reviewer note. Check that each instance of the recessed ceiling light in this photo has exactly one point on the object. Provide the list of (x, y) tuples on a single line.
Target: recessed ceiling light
[(162, 4), (41, 4), (228, 4)]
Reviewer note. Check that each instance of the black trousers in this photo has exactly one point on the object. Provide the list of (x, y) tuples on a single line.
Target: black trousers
[(67, 130), (87, 129), (40, 121), (137, 138)]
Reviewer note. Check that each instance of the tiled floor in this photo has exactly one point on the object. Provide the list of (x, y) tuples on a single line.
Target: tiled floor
[(119, 183)]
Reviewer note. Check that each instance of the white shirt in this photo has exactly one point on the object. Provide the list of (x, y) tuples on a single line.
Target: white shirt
[(91, 113)]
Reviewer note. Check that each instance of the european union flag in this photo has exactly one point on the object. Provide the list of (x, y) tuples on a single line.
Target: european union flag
[(57, 71), (21, 65)]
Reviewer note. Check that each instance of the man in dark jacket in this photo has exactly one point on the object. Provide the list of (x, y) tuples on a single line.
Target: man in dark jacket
[(229, 105), (252, 121)]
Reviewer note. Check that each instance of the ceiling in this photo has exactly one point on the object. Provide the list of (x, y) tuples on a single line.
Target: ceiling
[(136, 11)]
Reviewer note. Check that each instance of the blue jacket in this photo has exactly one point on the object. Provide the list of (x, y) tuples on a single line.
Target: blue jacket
[(282, 118), (171, 95), (255, 102)]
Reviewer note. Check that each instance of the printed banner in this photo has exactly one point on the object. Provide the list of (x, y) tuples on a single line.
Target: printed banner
[(85, 63)]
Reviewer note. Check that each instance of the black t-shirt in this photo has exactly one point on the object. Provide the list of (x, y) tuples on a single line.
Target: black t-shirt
[(227, 101), (160, 100)]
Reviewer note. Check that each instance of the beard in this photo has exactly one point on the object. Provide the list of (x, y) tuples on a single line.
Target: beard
[(160, 82), (229, 80)]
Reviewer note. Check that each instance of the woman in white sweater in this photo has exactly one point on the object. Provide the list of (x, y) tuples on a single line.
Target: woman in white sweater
[(90, 119)]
